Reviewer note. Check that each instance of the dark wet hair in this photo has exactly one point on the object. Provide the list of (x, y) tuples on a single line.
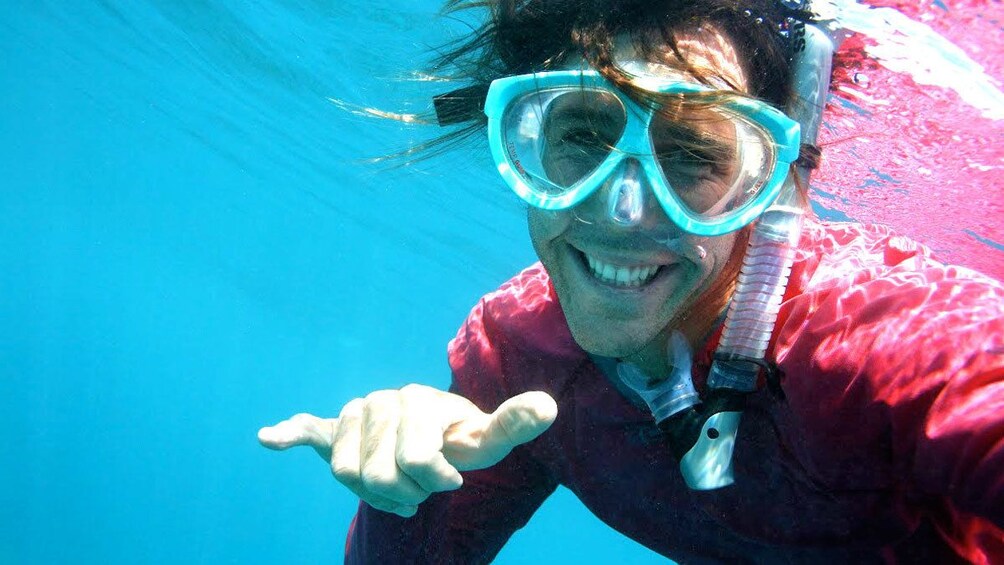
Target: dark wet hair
[(523, 36)]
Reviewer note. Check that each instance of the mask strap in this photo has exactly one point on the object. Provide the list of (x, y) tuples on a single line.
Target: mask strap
[(461, 105)]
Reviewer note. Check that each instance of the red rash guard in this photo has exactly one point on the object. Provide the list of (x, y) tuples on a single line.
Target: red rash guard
[(889, 446)]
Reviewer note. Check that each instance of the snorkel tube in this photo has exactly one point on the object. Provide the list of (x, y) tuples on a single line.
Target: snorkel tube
[(707, 464), (701, 432)]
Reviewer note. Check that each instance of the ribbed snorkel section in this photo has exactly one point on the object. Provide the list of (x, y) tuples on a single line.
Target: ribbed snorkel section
[(764, 274), (762, 280)]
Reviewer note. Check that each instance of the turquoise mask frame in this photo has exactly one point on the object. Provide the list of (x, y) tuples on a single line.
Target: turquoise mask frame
[(635, 143)]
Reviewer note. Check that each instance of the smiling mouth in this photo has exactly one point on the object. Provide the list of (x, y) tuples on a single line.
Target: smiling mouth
[(619, 275)]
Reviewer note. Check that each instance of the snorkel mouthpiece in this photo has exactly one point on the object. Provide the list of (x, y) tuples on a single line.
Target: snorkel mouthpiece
[(700, 434), (671, 395)]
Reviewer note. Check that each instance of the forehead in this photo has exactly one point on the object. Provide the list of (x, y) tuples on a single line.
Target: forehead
[(705, 49)]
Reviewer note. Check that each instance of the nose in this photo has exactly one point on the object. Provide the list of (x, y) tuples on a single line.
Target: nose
[(625, 201)]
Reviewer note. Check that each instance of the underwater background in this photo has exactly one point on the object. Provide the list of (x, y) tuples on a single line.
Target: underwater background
[(193, 245)]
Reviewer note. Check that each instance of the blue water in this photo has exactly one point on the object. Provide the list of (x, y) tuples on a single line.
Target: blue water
[(192, 246)]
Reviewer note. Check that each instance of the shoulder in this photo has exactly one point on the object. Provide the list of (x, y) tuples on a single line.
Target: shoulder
[(522, 314), (865, 286), (868, 273), (835, 253), (514, 335), (871, 317)]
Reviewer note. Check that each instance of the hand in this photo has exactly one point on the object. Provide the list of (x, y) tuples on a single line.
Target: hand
[(394, 448)]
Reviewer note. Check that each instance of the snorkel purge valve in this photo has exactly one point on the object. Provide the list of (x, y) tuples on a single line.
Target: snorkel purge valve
[(702, 434)]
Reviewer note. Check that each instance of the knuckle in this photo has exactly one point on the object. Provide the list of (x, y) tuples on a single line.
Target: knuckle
[(345, 474), (414, 388), (380, 406), (509, 424), (352, 408), (377, 481), (513, 427), (412, 461), (301, 418), (380, 397)]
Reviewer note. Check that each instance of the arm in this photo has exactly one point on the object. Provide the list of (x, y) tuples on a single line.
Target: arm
[(915, 360), (468, 525), (944, 384), (471, 524), (953, 449), (402, 453), (959, 451)]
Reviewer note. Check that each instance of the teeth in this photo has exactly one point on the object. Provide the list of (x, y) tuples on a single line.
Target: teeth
[(621, 276)]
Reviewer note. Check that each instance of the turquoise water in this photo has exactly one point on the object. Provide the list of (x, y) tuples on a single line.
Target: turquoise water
[(193, 246)]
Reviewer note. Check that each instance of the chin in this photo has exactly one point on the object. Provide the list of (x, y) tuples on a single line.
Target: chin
[(607, 338)]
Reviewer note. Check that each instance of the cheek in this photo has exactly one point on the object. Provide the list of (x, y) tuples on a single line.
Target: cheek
[(721, 248), (546, 226), (709, 257)]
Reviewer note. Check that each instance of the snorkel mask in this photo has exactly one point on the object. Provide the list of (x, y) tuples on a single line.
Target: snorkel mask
[(558, 136)]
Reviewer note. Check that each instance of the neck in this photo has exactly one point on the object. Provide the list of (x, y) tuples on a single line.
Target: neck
[(653, 358)]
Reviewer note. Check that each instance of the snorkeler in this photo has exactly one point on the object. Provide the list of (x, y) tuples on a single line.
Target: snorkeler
[(712, 372)]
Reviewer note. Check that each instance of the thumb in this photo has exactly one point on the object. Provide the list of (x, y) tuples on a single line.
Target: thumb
[(521, 419), (516, 421)]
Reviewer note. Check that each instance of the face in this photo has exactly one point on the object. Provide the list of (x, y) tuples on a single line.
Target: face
[(623, 288)]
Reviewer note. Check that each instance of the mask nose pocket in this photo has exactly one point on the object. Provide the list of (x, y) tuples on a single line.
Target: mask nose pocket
[(626, 199)]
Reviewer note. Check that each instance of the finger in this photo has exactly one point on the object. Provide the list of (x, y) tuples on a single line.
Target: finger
[(345, 447), (402, 510), (386, 505), (345, 461), (301, 429), (518, 420), (378, 468), (420, 441)]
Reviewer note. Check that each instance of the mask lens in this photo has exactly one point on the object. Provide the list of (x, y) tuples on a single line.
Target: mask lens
[(556, 138), (713, 159)]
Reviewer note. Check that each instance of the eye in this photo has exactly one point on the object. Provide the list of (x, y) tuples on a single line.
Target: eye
[(681, 158), (586, 138), (584, 121), (694, 143)]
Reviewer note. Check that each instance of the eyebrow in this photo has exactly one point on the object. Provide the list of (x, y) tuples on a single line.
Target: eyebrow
[(696, 143), (582, 112)]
